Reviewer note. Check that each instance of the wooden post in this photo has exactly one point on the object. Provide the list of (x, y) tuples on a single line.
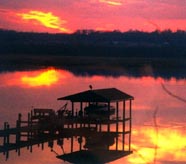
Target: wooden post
[(72, 108), (18, 135), (117, 115), (117, 118), (18, 125), (108, 125), (72, 143), (42, 145), (31, 124), (5, 136), (72, 114), (130, 123), (100, 126), (80, 140), (123, 139), (29, 127), (8, 134), (29, 133), (31, 148), (81, 114), (8, 139)]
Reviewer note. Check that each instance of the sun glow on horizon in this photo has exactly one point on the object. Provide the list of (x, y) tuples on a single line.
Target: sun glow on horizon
[(46, 19)]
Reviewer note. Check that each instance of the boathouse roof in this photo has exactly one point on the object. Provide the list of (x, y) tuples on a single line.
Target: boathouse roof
[(93, 157), (98, 95)]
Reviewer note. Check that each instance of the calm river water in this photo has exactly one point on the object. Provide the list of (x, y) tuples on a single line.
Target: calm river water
[(159, 112)]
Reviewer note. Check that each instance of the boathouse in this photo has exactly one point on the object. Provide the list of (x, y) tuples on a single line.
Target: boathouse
[(109, 111)]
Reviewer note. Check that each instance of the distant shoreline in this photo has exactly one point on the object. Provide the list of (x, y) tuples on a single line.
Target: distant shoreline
[(131, 44)]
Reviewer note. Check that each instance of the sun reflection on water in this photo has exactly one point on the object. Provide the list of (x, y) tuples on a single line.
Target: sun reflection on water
[(153, 146), (45, 78)]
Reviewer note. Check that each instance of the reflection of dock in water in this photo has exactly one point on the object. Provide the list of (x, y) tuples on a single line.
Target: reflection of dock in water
[(101, 120)]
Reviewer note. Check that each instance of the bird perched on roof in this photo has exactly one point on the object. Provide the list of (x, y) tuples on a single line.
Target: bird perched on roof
[(90, 86)]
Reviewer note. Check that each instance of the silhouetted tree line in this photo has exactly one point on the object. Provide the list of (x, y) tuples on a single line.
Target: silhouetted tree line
[(96, 43)]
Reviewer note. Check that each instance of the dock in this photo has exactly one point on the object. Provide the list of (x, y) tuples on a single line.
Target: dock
[(45, 125)]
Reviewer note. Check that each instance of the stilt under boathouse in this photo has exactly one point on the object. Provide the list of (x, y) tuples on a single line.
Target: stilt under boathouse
[(107, 111)]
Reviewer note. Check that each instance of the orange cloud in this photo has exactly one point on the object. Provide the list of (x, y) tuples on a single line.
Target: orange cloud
[(113, 3), (46, 19), (46, 78)]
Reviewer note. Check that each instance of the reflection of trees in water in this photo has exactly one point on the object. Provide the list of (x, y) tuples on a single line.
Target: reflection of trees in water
[(172, 94), (105, 66), (156, 122)]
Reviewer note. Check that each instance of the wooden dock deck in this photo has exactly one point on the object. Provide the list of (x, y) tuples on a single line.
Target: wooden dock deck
[(41, 127)]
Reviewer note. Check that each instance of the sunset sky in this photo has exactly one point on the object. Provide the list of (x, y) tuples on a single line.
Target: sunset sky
[(70, 15)]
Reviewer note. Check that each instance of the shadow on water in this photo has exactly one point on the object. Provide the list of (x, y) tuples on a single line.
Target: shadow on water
[(88, 66), (99, 131)]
